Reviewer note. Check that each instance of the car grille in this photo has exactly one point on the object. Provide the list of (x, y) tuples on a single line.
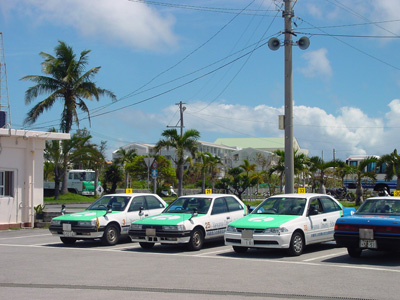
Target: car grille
[(73, 223), (254, 230)]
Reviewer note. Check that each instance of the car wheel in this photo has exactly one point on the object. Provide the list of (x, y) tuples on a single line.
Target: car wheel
[(239, 249), (196, 239), (145, 245), (67, 241), (354, 252), (110, 236), (296, 246)]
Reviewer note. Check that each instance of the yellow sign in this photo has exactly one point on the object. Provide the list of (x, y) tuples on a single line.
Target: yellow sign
[(301, 190), (129, 191), (396, 193), (209, 191)]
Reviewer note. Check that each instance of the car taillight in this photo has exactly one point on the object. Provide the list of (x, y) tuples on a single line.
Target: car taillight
[(346, 227), (387, 229)]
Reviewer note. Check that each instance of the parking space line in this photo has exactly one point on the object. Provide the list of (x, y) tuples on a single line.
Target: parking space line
[(324, 256), (212, 252), (24, 237)]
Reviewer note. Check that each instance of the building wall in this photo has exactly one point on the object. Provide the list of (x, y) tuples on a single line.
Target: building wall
[(24, 158)]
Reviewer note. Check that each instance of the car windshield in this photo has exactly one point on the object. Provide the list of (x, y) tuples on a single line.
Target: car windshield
[(380, 207), (281, 206), (189, 205), (117, 203)]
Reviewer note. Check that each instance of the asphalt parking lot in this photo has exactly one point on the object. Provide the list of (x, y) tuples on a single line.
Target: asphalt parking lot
[(36, 265)]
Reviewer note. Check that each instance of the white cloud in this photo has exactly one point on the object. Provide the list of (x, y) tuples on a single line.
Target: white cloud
[(119, 21), (317, 64)]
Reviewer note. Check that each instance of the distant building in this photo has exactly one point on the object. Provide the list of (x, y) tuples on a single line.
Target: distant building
[(232, 151)]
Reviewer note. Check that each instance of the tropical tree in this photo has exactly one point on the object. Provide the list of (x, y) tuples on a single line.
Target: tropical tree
[(237, 182), (392, 166), (361, 173), (319, 168), (123, 158), (67, 81), (113, 175), (279, 167), (181, 143), (208, 165)]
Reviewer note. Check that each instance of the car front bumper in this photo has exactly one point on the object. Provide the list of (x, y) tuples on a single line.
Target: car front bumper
[(259, 240), (160, 236), (78, 232)]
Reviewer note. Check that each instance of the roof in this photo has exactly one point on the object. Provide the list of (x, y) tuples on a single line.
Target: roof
[(256, 143), (45, 135)]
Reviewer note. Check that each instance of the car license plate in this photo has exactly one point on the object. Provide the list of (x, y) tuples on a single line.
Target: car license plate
[(67, 227), (247, 242), (68, 233), (368, 244), (150, 231)]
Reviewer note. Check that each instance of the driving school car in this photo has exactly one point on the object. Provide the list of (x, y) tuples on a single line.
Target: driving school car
[(108, 218), (288, 221), (375, 226), (189, 220)]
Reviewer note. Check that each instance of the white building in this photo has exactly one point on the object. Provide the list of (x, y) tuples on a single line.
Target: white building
[(21, 174)]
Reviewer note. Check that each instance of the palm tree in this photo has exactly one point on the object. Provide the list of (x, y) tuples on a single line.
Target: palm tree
[(319, 166), (181, 143), (209, 164), (361, 173), (68, 82), (125, 157), (392, 166)]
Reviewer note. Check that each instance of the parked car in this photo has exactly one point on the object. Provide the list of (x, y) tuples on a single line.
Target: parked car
[(375, 226), (189, 220), (288, 221), (108, 218)]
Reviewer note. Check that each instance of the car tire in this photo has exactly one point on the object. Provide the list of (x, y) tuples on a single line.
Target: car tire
[(196, 240), (110, 236), (354, 252), (296, 246), (145, 245), (239, 249), (68, 241)]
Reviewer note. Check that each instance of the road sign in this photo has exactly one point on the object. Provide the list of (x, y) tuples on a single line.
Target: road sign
[(129, 191), (301, 190), (154, 173), (154, 164), (99, 190), (396, 193), (208, 191)]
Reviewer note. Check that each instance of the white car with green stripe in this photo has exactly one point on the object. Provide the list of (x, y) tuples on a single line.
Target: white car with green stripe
[(189, 220), (108, 218), (288, 221)]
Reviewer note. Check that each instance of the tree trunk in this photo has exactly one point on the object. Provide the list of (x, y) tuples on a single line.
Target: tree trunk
[(359, 194), (64, 187)]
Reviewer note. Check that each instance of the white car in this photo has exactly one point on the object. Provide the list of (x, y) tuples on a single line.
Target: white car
[(288, 221), (108, 218), (189, 220)]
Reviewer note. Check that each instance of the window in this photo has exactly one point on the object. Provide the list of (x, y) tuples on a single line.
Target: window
[(329, 205), (153, 203), (6, 183), (219, 206), (233, 205), (137, 203)]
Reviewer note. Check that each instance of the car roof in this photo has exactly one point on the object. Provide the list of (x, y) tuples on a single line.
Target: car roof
[(208, 195), (296, 195), (383, 198), (131, 194)]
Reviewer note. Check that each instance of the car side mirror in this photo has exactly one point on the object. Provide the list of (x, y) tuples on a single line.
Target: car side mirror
[(109, 209), (63, 209), (194, 213), (141, 213)]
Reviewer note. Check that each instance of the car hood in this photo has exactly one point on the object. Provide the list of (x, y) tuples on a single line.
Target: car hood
[(260, 221), (370, 220), (166, 219), (85, 215)]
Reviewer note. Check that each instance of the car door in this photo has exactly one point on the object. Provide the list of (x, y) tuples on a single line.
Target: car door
[(332, 212), (236, 209), (219, 218), (153, 206), (137, 204), (317, 221)]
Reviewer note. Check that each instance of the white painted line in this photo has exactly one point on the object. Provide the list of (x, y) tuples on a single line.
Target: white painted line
[(325, 256), (211, 252), (24, 237)]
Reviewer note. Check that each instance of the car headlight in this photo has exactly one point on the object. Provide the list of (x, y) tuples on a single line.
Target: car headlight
[(275, 230), (136, 227), (87, 223), (174, 227), (55, 222), (231, 229)]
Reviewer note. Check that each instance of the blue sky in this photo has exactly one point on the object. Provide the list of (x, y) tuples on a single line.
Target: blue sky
[(212, 55)]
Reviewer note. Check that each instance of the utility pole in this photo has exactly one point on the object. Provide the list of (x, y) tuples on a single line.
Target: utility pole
[(181, 110), (4, 99), (287, 120), (289, 154)]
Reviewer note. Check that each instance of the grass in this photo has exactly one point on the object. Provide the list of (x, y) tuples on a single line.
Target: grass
[(70, 198)]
